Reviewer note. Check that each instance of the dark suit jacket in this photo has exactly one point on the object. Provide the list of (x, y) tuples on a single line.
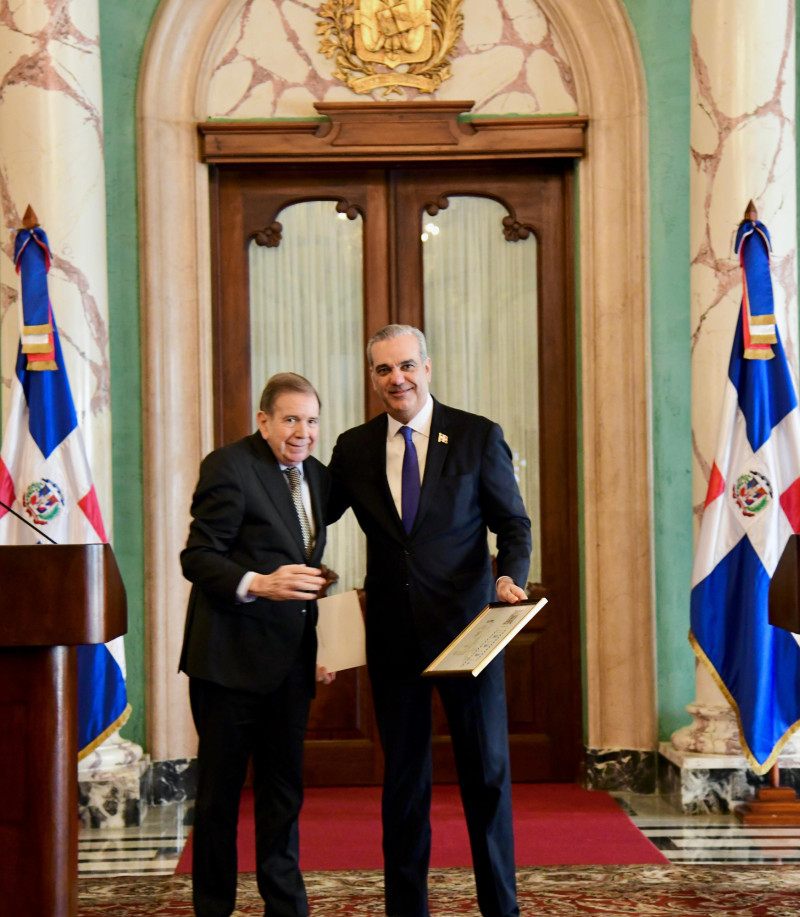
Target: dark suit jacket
[(442, 567), (244, 519)]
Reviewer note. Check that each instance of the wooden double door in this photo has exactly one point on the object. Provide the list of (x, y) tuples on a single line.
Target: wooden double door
[(527, 203)]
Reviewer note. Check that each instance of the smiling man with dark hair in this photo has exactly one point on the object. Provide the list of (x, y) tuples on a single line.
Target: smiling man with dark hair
[(425, 482)]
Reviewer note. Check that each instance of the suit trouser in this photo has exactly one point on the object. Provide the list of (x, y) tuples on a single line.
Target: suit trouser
[(477, 717), (232, 726)]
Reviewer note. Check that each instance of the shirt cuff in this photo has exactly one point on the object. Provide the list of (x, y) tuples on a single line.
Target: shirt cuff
[(244, 584)]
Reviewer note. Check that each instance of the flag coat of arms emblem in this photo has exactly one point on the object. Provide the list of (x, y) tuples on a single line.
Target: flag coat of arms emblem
[(752, 508), (45, 478)]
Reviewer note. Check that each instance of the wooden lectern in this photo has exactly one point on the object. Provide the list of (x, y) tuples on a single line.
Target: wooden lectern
[(784, 588), (53, 597), (775, 804)]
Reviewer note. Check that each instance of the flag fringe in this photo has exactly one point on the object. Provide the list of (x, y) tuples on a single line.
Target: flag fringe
[(759, 769), (118, 723), (752, 354)]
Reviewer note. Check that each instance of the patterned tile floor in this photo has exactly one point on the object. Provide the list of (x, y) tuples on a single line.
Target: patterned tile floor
[(155, 848), (685, 839)]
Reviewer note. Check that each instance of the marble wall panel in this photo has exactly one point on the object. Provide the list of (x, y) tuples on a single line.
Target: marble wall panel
[(509, 59), (742, 136), (742, 149), (51, 157), (620, 769), (715, 784)]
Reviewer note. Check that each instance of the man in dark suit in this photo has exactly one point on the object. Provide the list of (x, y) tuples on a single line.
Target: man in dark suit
[(253, 557), (428, 574)]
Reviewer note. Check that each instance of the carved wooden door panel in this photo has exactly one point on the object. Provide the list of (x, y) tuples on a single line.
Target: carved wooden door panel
[(520, 212)]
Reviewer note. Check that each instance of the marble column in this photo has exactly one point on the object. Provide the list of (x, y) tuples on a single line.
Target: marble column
[(742, 148), (51, 157)]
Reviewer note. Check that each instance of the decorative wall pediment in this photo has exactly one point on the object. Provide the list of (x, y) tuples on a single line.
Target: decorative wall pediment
[(391, 130)]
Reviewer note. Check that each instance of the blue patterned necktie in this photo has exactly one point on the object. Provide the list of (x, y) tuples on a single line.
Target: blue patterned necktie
[(409, 498)]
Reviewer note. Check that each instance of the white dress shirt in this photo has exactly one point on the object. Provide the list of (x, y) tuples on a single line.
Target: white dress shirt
[(396, 448)]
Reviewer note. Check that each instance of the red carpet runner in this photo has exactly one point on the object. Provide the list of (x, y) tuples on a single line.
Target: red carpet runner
[(555, 824)]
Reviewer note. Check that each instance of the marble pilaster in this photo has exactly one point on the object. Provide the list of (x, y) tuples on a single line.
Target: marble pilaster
[(52, 157), (714, 783), (622, 769), (742, 147), (114, 785), (51, 122)]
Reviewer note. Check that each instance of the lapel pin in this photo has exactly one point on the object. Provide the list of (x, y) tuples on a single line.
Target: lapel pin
[(442, 438)]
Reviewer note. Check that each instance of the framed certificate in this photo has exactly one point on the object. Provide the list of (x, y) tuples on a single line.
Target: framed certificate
[(482, 639)]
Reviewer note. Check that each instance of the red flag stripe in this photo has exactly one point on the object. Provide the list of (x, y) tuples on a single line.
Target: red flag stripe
[(6, 487), (91, 509), (790, 502), (716, 485)]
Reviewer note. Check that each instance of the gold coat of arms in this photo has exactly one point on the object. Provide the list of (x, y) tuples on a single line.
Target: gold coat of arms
[(390, 43)]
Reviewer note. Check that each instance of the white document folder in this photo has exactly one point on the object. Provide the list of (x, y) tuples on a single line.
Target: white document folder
[(340, 632)]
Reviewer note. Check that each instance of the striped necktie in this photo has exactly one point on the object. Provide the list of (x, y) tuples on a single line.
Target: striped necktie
[(293, 475)]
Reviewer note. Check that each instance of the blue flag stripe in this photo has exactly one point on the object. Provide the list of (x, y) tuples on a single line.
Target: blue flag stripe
[(765, 388), (102, 696), (758, 664), (33, 276), (49, 397), (755, 255)]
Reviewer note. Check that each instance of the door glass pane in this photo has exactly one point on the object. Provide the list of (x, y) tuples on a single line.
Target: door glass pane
[(480, 294), (306, 316)]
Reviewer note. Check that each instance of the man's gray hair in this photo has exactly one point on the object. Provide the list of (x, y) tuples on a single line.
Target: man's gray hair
[(285, 382), (395, 331)]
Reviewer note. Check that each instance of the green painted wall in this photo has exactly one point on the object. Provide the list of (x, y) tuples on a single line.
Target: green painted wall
[(663, 32), (123, 28)]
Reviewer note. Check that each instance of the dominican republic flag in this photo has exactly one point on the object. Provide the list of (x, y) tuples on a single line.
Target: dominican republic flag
[(752, 507), (45, 478)]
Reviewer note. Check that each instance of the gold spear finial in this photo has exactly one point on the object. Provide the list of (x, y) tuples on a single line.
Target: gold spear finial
[(750, 212), (30, 220)]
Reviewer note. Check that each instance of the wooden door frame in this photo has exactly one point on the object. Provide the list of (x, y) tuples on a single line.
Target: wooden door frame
[(357, 140)]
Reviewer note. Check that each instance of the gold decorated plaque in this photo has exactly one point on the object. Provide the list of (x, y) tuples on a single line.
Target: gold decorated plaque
[(393, 33), (483, 638), (386, 44)]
